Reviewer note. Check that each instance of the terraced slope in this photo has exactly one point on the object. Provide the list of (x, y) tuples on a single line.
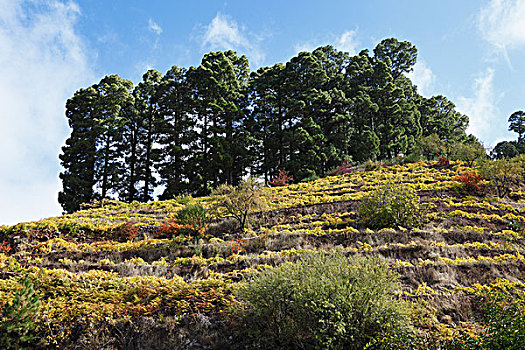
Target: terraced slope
[(106, 276)]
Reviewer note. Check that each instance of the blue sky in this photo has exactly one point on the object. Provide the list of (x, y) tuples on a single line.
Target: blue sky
[(470, 51)]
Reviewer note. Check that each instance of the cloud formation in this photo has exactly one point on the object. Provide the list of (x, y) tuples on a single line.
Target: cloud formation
[(42, 63), (423, 77), (154, 27), (347, 42), (502, 24), (485, 118), (223, 33)]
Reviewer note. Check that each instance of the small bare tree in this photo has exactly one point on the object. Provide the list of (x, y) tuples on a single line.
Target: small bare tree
[(242, 200)]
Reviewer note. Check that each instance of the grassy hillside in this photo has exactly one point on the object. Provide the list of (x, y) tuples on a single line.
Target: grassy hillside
[(114, 275)]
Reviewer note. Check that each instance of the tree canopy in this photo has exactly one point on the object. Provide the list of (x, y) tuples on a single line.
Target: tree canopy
[(191, 129)]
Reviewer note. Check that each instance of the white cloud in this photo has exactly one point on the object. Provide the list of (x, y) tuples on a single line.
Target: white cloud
[(423, 77), (223, 33), (154, 27), (502, 24), (486, 121), (347, 42), (42, 63)]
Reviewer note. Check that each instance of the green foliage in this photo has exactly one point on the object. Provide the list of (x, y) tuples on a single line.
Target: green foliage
[(307, 116), (517, 124), (504, 319), (323, 301), (505, 149), (390, 205), (240, 201), (431, 146), (371, 165), (502, 173), (195, 216), (467, 152), (184, 198), (18, 322)]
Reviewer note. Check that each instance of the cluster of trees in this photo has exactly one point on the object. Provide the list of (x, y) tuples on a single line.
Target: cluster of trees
[(189, 130), (510, 149)]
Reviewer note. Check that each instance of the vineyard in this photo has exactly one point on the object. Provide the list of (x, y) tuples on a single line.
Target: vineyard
[(127, 276)]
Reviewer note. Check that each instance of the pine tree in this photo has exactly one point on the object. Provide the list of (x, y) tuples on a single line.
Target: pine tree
[(114, 93), (176, 133), (517, 124), (218, 91), (78, 154), (146, 95)]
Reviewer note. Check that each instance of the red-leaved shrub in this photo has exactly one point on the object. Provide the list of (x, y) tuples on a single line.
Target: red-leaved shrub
[(344, 168), (470, 179), (443, 162), (282, 178), (5, 247)]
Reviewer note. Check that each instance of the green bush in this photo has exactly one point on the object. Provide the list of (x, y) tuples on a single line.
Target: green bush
[(503, 174), (18, 320), (467, 152), (504, 319), (390, 205), (193, 215), (430, 147), (322, 301)]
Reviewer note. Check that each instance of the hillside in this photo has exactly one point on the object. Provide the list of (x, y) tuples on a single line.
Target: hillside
[(108, 277)]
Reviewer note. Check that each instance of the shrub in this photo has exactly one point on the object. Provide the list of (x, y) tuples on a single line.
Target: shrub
[(443, 162), (502, 173), (192, 220), (413, 157), (282, 178), (504, 319), (240, 201), (195, 216), (17, 324), (322, 301), (470, 180), (5, 247), (373, 165), (390, 205), (467, 152), (184, 198), (127, 231)]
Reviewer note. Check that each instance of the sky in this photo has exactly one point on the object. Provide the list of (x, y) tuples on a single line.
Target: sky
[(471, 51)]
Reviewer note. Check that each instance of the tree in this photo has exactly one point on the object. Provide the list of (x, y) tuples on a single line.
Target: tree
[(430, 146), (176, 133), (268, 122), (503, 174), (439, 116), (218, 91), (114, 95), (146, 95), (241, 201), (400, 56), (505, 149), (78, 153), (468, 152), (517, 124)]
